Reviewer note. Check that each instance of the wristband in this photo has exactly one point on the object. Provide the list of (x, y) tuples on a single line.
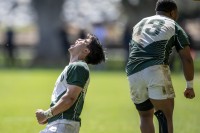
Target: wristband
[(189, 84), (48, 113)]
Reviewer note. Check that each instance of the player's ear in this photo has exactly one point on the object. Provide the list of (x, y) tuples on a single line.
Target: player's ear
[(173, 15), (86, 51)]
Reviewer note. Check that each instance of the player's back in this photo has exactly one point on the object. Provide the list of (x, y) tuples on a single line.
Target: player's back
[(152, 41)]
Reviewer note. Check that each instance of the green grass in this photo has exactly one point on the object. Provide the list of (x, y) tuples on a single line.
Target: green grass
[(108, 108)]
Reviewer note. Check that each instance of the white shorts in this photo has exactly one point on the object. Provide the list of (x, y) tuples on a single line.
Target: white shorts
[(153, 82), (62, 126)]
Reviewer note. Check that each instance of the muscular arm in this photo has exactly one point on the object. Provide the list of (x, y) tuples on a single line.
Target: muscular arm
[(188, 69), (67, 100), (187, 62)]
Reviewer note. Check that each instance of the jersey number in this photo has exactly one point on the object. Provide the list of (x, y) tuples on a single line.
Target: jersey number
[(154, 30)]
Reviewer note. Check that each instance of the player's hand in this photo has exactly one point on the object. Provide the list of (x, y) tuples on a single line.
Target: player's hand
[(189, 93), (41, 118), (44, 122)]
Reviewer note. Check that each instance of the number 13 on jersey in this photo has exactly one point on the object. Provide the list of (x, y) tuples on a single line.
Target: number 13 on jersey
[(152, 28)]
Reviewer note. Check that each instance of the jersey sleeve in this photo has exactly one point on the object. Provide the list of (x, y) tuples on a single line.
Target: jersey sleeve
[(181, 38), (77, 75)]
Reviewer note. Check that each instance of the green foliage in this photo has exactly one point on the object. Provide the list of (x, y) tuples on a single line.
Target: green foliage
[(108, 108)]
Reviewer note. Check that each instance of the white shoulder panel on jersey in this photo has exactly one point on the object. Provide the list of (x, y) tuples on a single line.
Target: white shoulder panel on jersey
[(153, 29), (60, 86)]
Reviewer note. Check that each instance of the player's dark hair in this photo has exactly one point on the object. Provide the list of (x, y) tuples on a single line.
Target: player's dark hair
[(96, 54), (166, 5)]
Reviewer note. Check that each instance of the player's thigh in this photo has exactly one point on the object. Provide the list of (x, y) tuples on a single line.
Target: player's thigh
[(166, 105), (160, 89), (138, 88)]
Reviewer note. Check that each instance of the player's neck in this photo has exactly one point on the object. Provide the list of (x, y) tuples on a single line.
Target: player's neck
[(75, 59), (163, 14)]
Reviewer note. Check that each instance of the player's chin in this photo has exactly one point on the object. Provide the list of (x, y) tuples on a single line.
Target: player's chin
[(70, 49)]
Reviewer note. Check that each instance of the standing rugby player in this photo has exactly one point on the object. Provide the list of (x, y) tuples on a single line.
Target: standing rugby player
[(148, 68)]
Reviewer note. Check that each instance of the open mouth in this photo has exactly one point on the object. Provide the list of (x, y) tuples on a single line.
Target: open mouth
[(72, 46)]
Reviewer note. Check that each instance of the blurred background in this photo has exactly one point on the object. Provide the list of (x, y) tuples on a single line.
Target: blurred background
[(37, 33)]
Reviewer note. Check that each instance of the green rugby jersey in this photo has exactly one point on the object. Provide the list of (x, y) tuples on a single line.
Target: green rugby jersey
[(152, 41), (76, 73)]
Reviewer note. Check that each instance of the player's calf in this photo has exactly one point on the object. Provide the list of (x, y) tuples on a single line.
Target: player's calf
[(163, 128)]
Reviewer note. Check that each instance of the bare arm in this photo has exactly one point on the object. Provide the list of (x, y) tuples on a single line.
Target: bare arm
[(65, 102), (187, 62), (188, 69)]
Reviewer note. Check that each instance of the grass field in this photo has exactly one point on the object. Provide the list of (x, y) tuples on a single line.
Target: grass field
[(108, 108)]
